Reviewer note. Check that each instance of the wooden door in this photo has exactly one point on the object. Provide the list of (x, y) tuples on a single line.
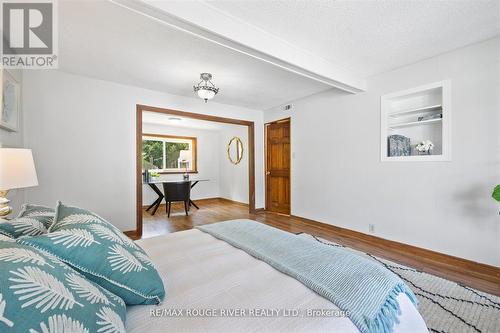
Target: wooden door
[(278, 166)]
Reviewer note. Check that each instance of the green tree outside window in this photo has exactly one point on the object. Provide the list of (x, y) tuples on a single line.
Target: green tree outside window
[(152, 154)]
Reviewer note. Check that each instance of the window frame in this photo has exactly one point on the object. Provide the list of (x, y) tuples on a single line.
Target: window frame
[(164, 138)]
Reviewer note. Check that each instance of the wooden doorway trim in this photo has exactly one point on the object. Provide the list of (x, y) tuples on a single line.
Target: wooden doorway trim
[(138, 136), (289, 120)]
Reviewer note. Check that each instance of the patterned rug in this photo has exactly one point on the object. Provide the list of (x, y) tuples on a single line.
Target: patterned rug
[(446, 306)]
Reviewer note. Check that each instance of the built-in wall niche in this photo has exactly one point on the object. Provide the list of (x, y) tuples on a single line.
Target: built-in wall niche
[(414, 120)]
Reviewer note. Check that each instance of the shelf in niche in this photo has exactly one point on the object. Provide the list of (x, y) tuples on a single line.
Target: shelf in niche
[(400, 112), (403, 113), (416, 158), (415, 123)]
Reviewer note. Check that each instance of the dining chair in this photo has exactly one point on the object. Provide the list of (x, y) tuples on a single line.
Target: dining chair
[(173, 192)]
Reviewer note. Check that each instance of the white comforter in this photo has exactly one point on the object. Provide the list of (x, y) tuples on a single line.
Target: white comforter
[(201, 272)]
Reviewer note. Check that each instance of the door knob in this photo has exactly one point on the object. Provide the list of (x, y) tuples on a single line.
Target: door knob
[(268, 173)]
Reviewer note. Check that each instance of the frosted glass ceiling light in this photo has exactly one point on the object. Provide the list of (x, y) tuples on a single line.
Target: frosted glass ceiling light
[(205, 88)]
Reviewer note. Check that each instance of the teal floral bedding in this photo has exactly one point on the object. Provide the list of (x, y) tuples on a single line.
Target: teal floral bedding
[(102, 253), (39, 293)]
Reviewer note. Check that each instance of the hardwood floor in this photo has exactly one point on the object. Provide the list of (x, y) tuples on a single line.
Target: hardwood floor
[(216, 210), (476, 275), (211, 210)]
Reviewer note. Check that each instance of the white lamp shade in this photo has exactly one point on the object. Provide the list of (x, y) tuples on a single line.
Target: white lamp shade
[(206, 94), (17, 169), (185, 155)]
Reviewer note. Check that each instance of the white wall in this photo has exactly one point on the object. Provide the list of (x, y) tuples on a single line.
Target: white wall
[(208, 143), (14, 140), (442, 206), (82, 132), (234, 178)]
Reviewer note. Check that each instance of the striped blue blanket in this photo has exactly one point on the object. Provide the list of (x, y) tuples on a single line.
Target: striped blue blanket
[(357, 285)]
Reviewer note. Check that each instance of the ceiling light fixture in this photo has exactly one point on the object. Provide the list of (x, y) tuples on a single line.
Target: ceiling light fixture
[(174, 119), (205, 88)]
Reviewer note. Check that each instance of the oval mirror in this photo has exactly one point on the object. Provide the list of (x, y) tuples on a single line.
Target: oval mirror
[(235, 150)]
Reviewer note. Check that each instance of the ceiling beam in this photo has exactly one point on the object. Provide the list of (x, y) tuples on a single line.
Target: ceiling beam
[(200, 19)]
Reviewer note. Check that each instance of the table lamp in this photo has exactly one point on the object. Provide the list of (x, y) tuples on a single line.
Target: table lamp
[(17, 170)]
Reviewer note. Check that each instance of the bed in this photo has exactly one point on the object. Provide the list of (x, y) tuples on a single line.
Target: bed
[(204, 276)]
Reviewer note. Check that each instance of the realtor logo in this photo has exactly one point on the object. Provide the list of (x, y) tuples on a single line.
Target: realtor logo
[(29, 34)]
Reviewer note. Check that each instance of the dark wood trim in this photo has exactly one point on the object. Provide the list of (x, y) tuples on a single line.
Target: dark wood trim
[(277, 213), (132, 234), (477, 275), (194, 153), (288, 119), (251, 167), (251, 153), (138, 173), (265, 166), (195, 115)]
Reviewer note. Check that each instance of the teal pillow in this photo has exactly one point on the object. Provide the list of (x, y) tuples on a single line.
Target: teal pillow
[(39, 293), (33, 220), (102, 253), (22, 226), (41, 213)]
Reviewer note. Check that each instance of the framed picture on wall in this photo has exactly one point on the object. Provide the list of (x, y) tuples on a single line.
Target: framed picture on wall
[(11, 91)]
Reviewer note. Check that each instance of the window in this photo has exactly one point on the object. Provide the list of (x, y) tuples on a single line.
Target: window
[(168, 154)]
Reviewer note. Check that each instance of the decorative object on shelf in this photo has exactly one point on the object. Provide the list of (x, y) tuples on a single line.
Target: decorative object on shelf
[(398, 145), (153, 175), (235, 150), (496, 194), (430, 116), (11, 91), (205, 88), (425, 147), (17, 170)]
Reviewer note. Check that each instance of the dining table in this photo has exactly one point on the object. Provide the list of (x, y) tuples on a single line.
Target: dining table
[(153, 183)]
